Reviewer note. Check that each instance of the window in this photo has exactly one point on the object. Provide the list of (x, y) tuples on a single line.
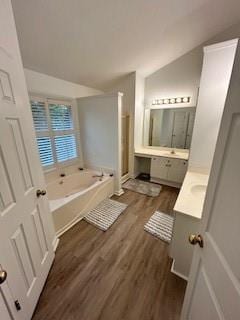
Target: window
[(56, 132)]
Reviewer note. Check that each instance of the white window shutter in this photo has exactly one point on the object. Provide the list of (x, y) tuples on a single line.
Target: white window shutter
[(45, 151), (66, 148), (61, 117), (39, 116), (56, 144)]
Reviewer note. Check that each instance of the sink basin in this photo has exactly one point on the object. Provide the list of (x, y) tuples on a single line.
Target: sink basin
[(198, 189)]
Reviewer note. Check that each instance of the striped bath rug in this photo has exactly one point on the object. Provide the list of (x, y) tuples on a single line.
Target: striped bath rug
[(160, 225), (105, 214)]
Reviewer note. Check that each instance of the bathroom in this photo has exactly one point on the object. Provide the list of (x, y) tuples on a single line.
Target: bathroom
[(118, 171)]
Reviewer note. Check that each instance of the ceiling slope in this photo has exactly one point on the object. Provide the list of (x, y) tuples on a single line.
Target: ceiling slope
[(95, 42)]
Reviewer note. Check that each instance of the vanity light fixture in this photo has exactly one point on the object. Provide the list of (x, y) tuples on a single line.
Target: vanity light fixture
[(186, 99), (171, 100), (166, 101)]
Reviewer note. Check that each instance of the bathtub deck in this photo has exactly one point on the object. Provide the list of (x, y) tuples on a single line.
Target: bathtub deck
[(121, 274)]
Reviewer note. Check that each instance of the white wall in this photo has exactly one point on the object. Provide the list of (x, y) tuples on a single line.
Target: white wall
[(139, 111), (10, 46), (100, 131), (132, 87), (182, 76), (215, 79), (126, 85), (46, 85), (50, 87), (178, 79)]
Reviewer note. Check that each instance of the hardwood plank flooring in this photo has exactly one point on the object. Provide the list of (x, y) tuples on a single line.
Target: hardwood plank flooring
[(121, 274)]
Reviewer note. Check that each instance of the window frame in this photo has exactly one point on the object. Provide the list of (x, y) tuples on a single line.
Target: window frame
[(53, 133)]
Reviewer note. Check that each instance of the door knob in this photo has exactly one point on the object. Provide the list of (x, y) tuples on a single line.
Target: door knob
[(40, 193), (196, 239), (3, 276)]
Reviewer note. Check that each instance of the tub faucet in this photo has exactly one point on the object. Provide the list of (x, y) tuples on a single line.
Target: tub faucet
[(99, 175)]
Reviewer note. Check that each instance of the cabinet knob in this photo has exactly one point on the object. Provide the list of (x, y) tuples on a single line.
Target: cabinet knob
[(196, 239), (3, 276)]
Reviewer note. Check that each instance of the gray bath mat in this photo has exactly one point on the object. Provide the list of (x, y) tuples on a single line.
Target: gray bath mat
[(148, 188), (160, 225), (105, 214)]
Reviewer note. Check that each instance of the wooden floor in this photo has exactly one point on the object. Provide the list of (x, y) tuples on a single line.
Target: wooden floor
[(120, 274)]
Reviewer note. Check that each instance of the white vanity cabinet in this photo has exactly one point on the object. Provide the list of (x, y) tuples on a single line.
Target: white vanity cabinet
[(188, 214), (177, 170), (159, 167), (168, 171)]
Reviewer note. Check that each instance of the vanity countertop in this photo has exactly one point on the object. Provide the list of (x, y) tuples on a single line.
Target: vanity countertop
[(192, 194), (148, 152)]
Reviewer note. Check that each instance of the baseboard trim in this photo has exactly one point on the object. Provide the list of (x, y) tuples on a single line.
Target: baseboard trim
[(68, 226), (55, 243), (125, 177), (166, 182), (119, 192), (177, 273), (134, 175)]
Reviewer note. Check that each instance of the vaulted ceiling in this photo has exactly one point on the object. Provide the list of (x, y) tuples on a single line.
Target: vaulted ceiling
[(94, 42)]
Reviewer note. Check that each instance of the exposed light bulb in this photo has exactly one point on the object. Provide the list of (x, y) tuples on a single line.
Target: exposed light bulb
[(171, 100)]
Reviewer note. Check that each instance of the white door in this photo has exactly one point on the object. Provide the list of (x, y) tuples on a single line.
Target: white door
[(213, 290), (179, 129), (26, 230), (3, 310)]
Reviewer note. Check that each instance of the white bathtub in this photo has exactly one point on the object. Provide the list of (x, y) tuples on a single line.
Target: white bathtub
[(73, 196)]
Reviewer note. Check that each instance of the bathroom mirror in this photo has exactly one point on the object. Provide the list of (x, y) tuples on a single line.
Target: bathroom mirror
[(169, 127)]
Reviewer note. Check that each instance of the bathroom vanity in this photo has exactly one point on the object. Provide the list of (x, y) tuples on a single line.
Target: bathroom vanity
[(188, 214), (214, 87), (168, 171), (166, 142), (164, 165)]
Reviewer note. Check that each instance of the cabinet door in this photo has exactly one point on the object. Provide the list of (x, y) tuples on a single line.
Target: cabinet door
[(177, 170), (159, 167)]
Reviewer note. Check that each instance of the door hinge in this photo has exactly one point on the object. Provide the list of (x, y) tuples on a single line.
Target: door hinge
[(17, 305)]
